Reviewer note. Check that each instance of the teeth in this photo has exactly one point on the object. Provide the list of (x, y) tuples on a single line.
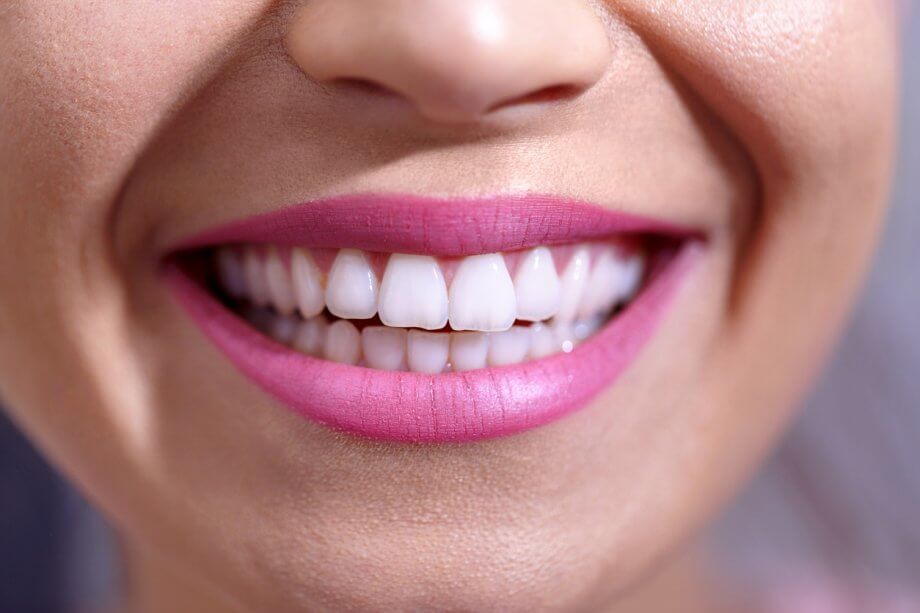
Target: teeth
[(509, 347), (428, 351), (574, 280), (230, 272), (352, 289), (601, 293), (468, 350), (413, 301), (537, 286), (255, 278), (311, 336), (308, 287), (280, 288), (632, 269), (482, 295), (343, 343), (283, 329), (413, 293), (543, 341), (384, 348)]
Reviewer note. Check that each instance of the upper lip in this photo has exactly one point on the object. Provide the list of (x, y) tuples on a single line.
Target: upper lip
[(457, 406), (447, 227)]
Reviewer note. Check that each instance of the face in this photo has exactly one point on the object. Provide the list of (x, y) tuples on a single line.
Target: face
[(204, 326)]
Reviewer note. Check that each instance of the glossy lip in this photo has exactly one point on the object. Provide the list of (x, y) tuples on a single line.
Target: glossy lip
[(450, 407)]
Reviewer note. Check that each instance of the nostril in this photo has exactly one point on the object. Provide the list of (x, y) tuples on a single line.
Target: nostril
[(553, 93), (363, 86)]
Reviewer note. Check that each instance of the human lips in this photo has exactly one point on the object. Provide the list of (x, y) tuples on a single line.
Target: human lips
[(429, 320)]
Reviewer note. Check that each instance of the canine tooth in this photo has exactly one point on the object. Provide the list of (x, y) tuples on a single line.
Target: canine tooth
[(413, 293), (343, 343), (384, 348), (428, 351), (230, 272), (631, 273), (536, 286), (603, 282), (283, 329), (468, 350), (311, 336), (543, 341), (482, 295), (280, 289), (509, 347), (351, 292), (255, 278), (573, 282), (308, 287)]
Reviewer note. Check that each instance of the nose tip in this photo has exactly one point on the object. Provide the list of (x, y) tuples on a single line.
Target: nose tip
[(454, 60)]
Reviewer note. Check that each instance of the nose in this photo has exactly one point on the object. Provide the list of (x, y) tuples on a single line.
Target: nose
[(453, 60)]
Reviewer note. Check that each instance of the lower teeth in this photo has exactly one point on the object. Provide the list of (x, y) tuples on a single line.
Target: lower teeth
[(398, 349)]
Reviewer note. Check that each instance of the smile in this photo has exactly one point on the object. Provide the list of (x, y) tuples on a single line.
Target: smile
[(427, 320)]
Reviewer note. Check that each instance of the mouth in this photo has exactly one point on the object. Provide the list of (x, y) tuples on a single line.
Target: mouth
[(426, 320)]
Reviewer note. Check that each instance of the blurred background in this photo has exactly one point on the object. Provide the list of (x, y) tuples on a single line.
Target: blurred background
[(842, 493)]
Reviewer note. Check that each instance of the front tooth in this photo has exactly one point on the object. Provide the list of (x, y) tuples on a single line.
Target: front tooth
[(574, 280), (413, 293), (230, 272), (351, 292), (482, 295), (308, 287), (468, 350), (255, 278), (543, 341), (311, 336), (428, 351), (343, 343), (536, 286), (600, 294), (509, 347), (384, 348), (280, 288)]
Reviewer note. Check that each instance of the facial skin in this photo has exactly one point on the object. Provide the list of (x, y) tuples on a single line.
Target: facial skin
[(126, 126)]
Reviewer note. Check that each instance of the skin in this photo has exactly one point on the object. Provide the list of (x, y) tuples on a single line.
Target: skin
[(126, 126)]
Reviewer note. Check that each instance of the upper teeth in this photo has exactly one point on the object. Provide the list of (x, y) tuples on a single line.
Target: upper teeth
[(475, 293)]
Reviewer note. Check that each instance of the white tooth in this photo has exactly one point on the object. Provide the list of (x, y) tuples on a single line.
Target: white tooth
[(574, 280), (600, 294), (509, 347), (311, 336), (428, 351), (537, 286), (230, 272), (280, 288), (343, 343), (632, 268), (482, 295), (384, 348), (283, 329), (308, 286), (255, 278), (586, 327), (543, 341), (565, 336), (468, 350), (351, 292), (413, 293)]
